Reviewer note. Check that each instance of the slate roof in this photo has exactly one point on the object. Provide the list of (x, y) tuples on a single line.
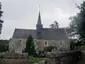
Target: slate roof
[(47, 33), (54, 34), (24, 33)]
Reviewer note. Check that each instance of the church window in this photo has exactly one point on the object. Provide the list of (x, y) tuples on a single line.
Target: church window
[(46, 43), (35, 42), (61, 42)]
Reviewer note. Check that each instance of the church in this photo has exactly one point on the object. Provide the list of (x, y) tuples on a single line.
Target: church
[(42, 37)]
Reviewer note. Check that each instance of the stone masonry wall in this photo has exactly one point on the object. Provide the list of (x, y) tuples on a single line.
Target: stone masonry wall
[(13, 58), (69, 57)]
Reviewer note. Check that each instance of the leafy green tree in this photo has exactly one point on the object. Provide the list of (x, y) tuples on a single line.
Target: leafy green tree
[(30, 48), (78, 23)]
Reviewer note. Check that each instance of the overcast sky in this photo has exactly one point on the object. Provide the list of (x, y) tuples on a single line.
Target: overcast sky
[(24, 13)]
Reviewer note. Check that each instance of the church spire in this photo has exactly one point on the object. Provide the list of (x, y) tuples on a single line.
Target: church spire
[(39, 19), (39, 25)]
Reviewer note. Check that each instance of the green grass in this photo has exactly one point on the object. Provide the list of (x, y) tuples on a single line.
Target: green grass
[(32, 59), (81, 62)]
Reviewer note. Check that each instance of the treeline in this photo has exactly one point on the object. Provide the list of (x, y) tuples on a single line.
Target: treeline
[(4, 44)]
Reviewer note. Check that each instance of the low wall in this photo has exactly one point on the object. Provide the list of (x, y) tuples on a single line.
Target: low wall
[(13, 58), (67, 57), (82, 61)]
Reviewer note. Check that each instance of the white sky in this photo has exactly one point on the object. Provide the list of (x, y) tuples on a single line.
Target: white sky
[(24, 13)]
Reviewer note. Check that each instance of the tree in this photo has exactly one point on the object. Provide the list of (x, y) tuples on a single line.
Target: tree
[(78, 23), (72, 45), (4, 45), (54, 25), (30, 48), (0, 18)]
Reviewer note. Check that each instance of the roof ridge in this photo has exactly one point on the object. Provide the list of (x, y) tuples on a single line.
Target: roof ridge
[(23, 29), (53, 28)]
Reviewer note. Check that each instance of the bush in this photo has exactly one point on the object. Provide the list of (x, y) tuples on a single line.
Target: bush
[(3, 48), (72, 45), (4, 45), (49, 48), (76, 45), (82, 47)]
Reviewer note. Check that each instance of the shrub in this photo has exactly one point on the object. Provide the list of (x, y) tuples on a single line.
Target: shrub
[(4, 45), (82, 47), (49, 48), (72, 45)]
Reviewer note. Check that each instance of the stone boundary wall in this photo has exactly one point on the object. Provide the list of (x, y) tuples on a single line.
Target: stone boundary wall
[(69, 57), (13, 58)]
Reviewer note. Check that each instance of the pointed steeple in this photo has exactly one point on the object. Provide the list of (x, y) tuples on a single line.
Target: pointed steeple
[(39, 19), (39, 25)]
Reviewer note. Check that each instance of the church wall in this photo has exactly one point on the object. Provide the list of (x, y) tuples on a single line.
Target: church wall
[(60, 44), (17, 44), (63, 45)]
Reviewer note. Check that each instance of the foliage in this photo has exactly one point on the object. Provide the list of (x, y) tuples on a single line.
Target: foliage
[(72, 45), (4, 41), (32, 59), (75, 45), (78, 23), (3, 45), (49, 48), (30, 48), (55, 25), (83, 46), (1, 21), (0, 10), (79, 43)]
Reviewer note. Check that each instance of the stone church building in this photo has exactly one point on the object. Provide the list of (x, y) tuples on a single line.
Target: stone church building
[(42, 37)]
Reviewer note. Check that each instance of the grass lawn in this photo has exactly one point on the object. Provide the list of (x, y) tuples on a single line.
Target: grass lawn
[(32, 59), (81, 62)]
